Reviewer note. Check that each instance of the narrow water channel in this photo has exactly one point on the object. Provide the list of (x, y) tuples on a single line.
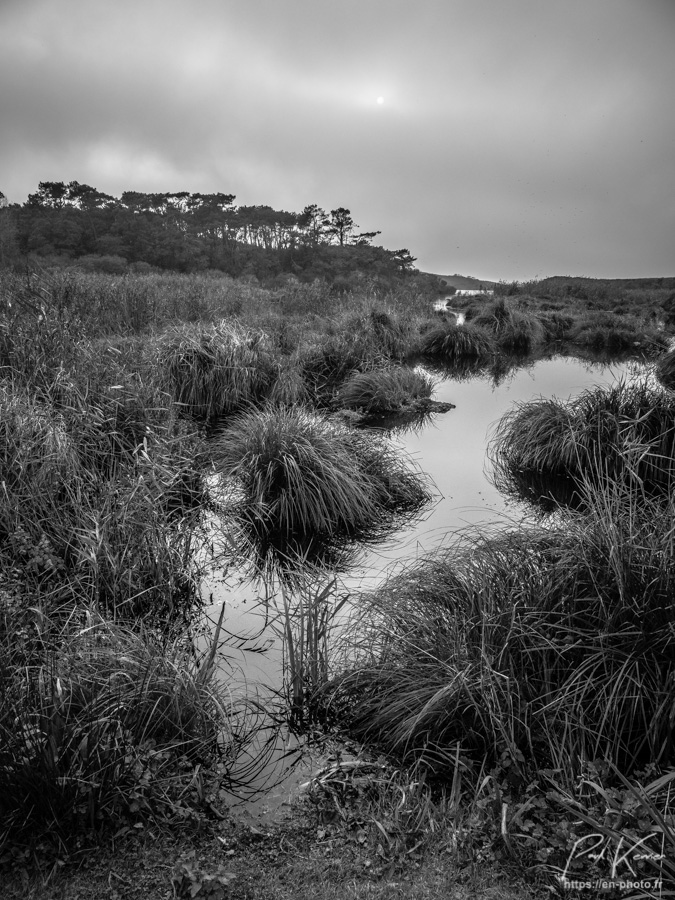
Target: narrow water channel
[(451, 450)]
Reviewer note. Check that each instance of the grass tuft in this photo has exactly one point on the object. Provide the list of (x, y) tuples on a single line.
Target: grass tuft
[(307, 481), (384, 390), (543, 450), (457, 343)]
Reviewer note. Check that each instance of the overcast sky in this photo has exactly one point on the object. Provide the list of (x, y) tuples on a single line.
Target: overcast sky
[(513, 138)]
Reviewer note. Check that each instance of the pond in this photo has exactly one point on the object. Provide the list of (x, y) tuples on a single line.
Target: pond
[(451, 450)]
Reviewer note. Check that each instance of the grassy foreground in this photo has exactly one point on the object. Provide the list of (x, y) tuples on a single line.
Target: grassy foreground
[(485, 669)]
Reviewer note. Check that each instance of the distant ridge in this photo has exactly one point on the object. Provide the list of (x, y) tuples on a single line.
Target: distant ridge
[(644, 283), (463, 282)]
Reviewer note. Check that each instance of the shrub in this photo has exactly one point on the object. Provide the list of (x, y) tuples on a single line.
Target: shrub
[(383, 390)]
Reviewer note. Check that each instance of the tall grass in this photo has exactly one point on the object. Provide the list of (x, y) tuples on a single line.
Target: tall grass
[(624, 433), (306, 481), (555, 645), (515, 331), (93, 720), (612, 334), (215, 371), (457, 343), (90, 514)]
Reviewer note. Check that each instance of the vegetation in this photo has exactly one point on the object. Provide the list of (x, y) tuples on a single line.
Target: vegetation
[(213, 372), (187, 232), (96, 719), (523, 680), (310, 485), (516, 332), (546, 450), (457, 343), (383, 390)]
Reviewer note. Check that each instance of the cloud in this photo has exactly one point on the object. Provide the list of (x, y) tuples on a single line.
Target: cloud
[(526, 134)]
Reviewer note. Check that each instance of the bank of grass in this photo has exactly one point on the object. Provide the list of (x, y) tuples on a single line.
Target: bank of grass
[(553, 645), (106, 711), (624, 433), (536, 666), (613, 334)]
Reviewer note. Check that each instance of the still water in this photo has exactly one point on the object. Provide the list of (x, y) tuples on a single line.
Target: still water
[(451, 450)]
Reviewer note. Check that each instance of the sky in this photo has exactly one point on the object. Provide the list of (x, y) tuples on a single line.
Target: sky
[(513, 139)]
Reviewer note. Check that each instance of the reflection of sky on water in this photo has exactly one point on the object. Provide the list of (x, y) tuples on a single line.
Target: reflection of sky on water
[(452, 451)]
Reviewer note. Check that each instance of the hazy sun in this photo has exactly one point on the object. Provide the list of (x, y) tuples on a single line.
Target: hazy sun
[(380, 101)]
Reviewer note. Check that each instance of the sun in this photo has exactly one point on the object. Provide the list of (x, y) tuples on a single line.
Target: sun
[(380, 101)]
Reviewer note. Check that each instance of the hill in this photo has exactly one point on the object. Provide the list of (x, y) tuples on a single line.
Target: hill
[(628, 283), (462, 282)]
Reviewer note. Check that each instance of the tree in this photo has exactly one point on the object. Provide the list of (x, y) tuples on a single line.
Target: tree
[(50, 195), (312, 222), (404, 260), (340, 225)]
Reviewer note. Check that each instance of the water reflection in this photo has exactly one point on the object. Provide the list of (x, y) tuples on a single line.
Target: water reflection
[(451, 449)]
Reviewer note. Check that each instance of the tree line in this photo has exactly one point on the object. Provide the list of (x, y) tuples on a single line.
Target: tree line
[(188, 232)]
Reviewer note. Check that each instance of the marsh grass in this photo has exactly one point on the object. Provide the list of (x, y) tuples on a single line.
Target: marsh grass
[(608, 333), (384, 390), (665, 370), (89, 514), (97, 720), (515, 331), (308, 482), (215, 371), (457, 343), (553, 645), (625, 432), (327, 363)]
